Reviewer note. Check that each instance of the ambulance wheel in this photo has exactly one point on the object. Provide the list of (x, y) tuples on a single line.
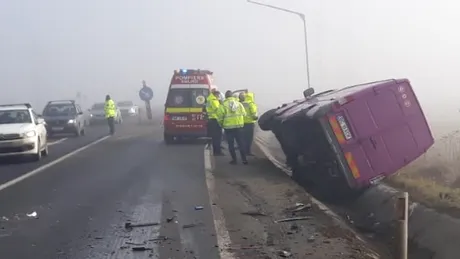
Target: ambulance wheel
[(168, 139)]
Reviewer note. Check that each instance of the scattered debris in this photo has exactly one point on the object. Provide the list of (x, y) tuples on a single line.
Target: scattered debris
[(170, 219), (98, 238), (253, 213), (293, 219), (192, 225), (284, 254), (300, 207), (5, 218), (159, 238), (129, 225), (135, 244), (33, 215), (311, 239), (141, 248), (199, 207)]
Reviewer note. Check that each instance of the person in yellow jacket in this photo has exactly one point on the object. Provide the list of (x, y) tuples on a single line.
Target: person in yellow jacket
[(214, 129), (247, 99), (231, 118), (110, 112)]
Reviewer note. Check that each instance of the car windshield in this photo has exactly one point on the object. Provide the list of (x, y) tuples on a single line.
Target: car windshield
[(125, 104), (98, 106), (189, 97), (60, 110), (15, 116)]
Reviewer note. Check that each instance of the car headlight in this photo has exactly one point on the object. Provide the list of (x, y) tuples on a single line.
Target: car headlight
[(29, 134), (71, 121)]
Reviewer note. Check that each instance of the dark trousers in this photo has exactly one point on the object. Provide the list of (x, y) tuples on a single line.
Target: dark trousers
[(215, 133), (248, 133), (111, 122), (233, 135)]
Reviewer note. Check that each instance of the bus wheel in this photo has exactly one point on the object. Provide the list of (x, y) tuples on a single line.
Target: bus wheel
[(168, 139)]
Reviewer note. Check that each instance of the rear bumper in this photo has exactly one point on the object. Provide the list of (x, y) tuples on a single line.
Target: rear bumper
[(70, 128), (27, 146)]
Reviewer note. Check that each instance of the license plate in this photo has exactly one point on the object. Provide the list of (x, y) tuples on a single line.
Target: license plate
[(179, 118), (346, 131), (57, 128)]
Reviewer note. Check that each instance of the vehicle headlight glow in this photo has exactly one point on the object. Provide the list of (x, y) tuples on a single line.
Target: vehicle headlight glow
[(71, 121), (29, 134)]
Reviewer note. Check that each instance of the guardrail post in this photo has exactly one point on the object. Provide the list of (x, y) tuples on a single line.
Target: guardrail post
[(402, 214)]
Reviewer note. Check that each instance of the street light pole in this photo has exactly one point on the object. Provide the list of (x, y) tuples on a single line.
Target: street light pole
[(302, 17)]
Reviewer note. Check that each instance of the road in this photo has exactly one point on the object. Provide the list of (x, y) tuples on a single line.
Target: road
[(89, 192)]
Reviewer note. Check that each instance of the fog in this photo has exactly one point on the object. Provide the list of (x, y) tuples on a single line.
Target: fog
[(52, 49)]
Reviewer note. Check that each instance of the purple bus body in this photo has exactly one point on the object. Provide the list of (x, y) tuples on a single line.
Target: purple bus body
[(387, 125)]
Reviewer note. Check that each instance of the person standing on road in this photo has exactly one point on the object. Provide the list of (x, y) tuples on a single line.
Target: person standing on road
[(247, 99), (214, 129), (110, 112), (231, 117)]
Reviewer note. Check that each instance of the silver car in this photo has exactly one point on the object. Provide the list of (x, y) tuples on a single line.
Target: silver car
[(128, 109), (97, 115)]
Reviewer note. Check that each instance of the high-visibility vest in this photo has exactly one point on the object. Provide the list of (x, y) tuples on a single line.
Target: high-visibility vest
[(110, 109), (212, 106), (231, 114)]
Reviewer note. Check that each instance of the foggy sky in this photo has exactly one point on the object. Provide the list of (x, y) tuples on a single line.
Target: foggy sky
[(50, 49)]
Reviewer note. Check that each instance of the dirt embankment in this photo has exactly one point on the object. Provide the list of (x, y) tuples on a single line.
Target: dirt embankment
[(253, 198)]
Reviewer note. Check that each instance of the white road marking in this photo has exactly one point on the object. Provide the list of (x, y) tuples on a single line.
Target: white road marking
[(222, 235), (56, 141), (50, 164)]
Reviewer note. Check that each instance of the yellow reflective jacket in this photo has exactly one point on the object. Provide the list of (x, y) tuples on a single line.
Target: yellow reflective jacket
[(110, 109), (251, 109), (212, 106), (231, 114)]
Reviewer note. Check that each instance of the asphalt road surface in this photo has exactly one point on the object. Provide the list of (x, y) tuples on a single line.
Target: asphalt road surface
[(85, 192)]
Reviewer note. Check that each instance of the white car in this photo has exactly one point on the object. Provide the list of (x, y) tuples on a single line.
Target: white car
[(22, 132)]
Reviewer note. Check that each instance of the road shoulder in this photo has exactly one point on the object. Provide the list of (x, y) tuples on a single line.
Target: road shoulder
[(250, 199)]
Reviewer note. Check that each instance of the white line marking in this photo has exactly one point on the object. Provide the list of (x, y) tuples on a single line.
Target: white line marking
[(56, 142), (50, 164), (222, 235)]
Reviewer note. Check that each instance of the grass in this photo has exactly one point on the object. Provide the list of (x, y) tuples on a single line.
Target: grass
[(434, 178)]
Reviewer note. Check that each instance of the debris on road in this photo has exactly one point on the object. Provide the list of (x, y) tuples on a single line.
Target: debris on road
[(33, 215), (199, 207), (129, 225), (192, 225), (159, 238), (141, 248), (170, 219), (293, 219), (284, 254), (300, 207), (253, 213), (135, 244)]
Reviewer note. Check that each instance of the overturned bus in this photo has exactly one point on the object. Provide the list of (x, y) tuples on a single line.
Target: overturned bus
[(341, 142)]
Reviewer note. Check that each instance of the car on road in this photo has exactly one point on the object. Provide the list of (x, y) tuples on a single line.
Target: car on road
[(97, 114), (128, 109), (22, 132), (64, 117)]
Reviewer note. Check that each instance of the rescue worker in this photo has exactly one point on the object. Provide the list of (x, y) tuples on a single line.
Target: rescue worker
[(231, 117), (247, 99), (214, 129), (110, 112)]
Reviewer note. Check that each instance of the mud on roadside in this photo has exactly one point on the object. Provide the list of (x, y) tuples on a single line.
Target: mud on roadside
[(254, 197)]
